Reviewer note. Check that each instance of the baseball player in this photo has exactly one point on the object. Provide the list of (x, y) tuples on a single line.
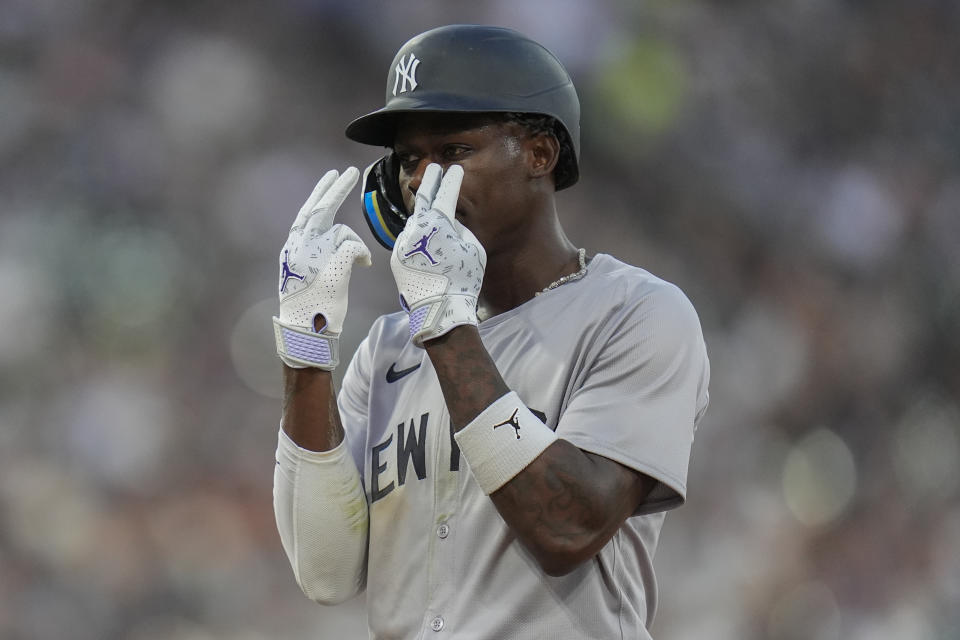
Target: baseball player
[(502, 450)]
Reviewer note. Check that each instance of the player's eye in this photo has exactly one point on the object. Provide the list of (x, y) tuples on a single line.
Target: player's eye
[(455, 152)]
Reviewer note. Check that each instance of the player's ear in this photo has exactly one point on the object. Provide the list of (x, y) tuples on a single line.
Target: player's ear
[(543, 152)]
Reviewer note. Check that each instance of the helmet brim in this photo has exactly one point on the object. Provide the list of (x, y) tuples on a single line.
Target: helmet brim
[(380, 127)]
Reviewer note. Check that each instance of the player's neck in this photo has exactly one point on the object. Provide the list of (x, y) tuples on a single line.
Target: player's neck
[(514, 277)]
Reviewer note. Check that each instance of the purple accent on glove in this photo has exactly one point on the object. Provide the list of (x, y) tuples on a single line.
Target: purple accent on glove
[(286, 273), (308, 348), (417, 318), (421, 247)]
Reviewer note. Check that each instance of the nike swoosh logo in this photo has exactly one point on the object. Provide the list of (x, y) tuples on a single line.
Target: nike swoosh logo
[(393, 375)]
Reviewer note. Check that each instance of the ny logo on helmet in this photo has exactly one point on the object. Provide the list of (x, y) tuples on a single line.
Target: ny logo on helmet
[(407, 70)]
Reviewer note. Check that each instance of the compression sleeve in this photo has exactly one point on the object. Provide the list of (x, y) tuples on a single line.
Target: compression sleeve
[(321, 514)]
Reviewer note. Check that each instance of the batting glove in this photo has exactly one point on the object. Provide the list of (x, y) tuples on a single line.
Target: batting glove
[(437, 262), (315, 267)]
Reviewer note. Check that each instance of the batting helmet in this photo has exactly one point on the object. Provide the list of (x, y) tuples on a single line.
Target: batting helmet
[(464, 69)]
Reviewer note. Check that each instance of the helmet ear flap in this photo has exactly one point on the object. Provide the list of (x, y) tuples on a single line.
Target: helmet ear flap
[(382, 200)]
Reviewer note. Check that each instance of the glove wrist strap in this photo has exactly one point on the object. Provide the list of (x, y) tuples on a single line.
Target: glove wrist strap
[(433, 319), (299, 348)]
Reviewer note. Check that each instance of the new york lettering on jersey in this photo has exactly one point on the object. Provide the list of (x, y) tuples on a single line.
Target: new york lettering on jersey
[(407, 447), (412, 439)]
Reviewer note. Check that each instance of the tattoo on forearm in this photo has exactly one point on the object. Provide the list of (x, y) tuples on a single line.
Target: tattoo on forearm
[(552, 502), (569, 498), (468, 377)]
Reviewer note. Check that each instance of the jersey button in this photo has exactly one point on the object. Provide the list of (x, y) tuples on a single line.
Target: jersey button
[(437, 623), (443, 531)]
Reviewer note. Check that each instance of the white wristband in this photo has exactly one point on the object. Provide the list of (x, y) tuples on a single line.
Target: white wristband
[(501, 441)]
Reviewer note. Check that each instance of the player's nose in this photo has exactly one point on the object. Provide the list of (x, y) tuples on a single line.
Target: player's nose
[(417, 177), (413, 184)]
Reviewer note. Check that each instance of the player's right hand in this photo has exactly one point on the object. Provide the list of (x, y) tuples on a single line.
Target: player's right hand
[(437, 262), (315, 267)]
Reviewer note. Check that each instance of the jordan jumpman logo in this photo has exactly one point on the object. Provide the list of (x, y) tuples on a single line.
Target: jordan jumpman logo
[(286, 273), (421, 247), (512, 421)]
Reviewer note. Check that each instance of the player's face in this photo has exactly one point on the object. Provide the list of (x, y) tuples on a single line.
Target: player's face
[(495, 159)]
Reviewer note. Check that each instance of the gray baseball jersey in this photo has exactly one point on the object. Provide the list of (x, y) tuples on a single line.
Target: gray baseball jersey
[(615, 363)]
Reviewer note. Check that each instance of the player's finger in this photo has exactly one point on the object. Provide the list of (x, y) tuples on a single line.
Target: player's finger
[(315, 195), (338, 192), (357, 253), (428, 188), (446, 198), (321, 219), (352, 247)]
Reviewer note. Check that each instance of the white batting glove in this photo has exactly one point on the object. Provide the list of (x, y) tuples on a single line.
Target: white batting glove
[(315, 267), (437, 262)]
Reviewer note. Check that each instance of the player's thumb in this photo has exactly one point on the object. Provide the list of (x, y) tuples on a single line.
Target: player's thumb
[(351, 247)]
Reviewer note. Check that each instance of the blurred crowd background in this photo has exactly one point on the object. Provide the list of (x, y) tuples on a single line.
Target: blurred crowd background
[(794, 166)]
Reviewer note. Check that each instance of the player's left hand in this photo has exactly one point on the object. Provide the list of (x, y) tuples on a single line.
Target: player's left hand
[(437, 262)]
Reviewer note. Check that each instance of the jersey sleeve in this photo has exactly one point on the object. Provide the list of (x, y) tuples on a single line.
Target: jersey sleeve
[(643, 391)]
